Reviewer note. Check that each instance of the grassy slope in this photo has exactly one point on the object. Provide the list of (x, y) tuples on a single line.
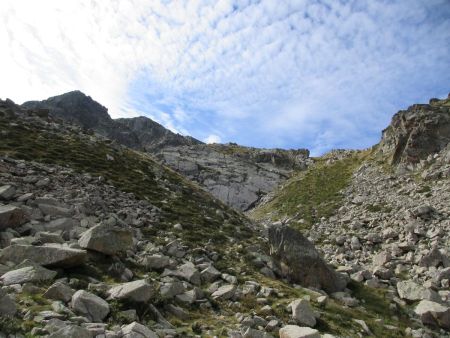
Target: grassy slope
[(312, 194)]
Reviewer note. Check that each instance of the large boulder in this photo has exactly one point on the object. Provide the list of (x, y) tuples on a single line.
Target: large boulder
[(137, 291), (298, 260), (59, 291), (89, 305), (27, 274), (294, 331), (433, 314), (11, 216), (52, 255), (412, 291), (302, 313), (106, 239)]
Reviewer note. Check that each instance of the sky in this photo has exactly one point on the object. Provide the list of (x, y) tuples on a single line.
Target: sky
[(316, 74)]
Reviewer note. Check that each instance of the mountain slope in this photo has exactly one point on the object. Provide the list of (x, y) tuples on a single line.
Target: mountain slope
[(196, 267)]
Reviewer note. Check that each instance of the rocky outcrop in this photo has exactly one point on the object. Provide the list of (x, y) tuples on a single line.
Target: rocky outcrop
[(238, 176), (416, 133), (297, 259)]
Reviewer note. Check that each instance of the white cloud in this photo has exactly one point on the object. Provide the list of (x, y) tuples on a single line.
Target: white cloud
[(212, 139), (262, 73)]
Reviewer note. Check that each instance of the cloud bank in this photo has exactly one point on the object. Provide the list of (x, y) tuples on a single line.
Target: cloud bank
[(307, 73)]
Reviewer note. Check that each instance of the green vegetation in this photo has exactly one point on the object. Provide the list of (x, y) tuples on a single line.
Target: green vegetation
[(312, 194)]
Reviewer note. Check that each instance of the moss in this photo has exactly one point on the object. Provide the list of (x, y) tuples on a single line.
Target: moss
[(313, 194)]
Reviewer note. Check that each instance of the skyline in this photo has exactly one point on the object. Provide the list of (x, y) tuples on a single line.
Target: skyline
[(303, 74)]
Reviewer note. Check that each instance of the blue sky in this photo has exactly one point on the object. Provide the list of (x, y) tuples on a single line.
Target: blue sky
[(316, 74)]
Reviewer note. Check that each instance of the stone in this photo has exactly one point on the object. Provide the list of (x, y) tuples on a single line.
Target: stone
[(55, 210), (59, 291), (7, 192), (381, 258), (89, 305), (210, 274), (156, 262), (299, 261), (294, 331), (11, 217), (136, 330), (64, 224), (8, 307), (106, 239), (253, 333), (189, 272), (302, 313), (52, 255), (139, 291), (71, 331), (433, 314), (434, 258), (28, 274), (224, 292), (410, 290), (171, 289)]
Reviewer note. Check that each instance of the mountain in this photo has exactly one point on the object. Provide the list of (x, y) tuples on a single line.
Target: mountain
[(138, 133), (238, 176), (100, 239)]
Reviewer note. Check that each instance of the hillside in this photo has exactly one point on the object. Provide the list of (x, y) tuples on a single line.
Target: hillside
[(101, 239)]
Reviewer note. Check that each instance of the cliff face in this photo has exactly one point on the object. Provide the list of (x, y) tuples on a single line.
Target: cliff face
[(416, 133), (238, 176)]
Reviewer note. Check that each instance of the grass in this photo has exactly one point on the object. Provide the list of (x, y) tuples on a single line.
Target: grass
[(313, 194)]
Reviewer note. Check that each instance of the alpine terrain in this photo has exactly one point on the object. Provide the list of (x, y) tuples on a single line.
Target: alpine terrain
[(120, 228)]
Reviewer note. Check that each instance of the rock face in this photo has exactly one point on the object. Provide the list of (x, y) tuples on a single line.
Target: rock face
[(106, 239), (238, 176), (11, 216), (51, 255), (417, 132), (299, 261)]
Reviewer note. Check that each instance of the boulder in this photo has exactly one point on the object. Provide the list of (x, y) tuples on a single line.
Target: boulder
[(433, 314), (27, 274), (189, 272), (89, 305), (63, 224), (52, 255), (106, 239), (137, 291), (302, 313), (59, 291), (224, 292), (410, 290), (210, 274), (136, 330), (172, 289), (7, 305), (434, 258), (72, 331), (7, 192), (294, 331), (156, 262), (298, 260), (11, 217)]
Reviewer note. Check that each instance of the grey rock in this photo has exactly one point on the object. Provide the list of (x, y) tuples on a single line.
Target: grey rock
[(302, 313), (52, 255), (156, 262), (71, 331), (412, 291), (298, 260), (106, 239), (136, 330), (27, 274), (139, 291), (59, 291), (8, 307), (7, 192), (89, 305), (294, 331), (434, 314), (224, 292), (11, 217)]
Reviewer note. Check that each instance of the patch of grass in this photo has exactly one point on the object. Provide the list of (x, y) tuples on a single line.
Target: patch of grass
[(378, 208), (312, 194)]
